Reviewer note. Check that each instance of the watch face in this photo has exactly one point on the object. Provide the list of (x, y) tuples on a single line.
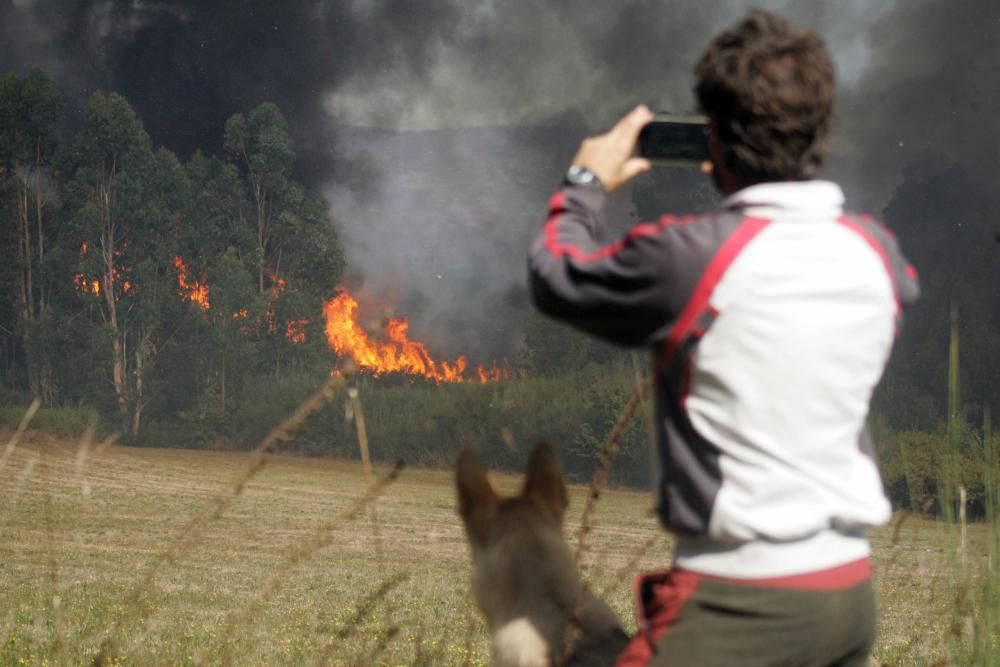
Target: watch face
[(580, 175)]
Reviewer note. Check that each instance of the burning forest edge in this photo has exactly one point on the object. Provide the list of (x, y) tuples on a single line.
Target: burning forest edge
[(397, 353)]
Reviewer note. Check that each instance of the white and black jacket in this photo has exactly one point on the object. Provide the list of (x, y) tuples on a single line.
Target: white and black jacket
[(771, 321)]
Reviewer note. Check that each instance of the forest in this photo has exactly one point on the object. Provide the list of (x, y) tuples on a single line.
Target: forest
[(194, 302)]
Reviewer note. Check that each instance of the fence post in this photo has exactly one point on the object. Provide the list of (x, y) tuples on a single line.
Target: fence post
[(359, 422), (962, 498)]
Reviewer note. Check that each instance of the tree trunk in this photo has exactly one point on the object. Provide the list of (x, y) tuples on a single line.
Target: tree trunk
[(118, 371), (119, 361), (39, 207), (139, 403), (263, 216), (144, 352), (25, 254)]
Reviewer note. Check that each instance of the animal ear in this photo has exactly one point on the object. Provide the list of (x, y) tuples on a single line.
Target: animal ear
[(544, 483), (477, 501)]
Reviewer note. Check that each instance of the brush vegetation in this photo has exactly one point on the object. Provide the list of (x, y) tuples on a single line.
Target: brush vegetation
[(422, 423)]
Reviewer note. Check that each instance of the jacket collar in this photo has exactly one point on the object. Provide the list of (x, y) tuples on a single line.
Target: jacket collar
[(809, 197)]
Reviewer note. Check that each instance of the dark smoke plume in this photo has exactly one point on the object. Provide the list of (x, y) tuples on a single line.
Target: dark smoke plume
[(931, 92), (437, 128), (187, 65)]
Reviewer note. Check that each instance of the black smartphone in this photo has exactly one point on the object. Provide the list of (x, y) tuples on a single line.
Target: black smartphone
[(675, 140)]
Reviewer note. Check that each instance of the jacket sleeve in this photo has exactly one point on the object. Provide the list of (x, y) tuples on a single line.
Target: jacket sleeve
[(619, 292), (906, 283)]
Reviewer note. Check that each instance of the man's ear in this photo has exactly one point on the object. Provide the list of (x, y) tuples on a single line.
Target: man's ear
[(477, 501), (543, 481)]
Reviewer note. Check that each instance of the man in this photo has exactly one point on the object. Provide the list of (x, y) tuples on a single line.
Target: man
[(771, 320)]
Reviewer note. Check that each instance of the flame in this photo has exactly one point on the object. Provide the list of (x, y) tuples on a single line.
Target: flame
[(494, 373), (277, 284), (192, 291), (295, 331), (89, 285), (85, 284), (397, 354)]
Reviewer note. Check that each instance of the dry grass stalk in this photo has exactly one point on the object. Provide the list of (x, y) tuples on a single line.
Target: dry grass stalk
[(58, 645), (373, 517), (281, 434), (384, 640), (368, 603), (131, 609), (82, 454), (322, 537), (598, 482), (422, 655), (602, 470), (19, 433), (22, 479), (362, 611)]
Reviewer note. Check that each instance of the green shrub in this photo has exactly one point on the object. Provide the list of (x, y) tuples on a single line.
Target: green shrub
[(61, 422), (425, 424), (11, 397)]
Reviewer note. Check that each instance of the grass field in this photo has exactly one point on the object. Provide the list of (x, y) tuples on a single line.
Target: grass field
[(153, 555)]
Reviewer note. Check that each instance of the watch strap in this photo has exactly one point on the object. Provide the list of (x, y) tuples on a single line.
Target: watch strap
[(582, 176)]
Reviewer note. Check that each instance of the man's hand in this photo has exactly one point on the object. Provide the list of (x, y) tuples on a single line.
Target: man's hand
[(611, 155)]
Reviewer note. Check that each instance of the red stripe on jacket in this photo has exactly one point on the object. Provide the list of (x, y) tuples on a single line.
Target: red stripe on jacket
[(557, 207), (716, 268)]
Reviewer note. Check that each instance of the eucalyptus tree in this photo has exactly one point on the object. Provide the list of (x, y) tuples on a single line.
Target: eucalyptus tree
[(260, 145), (30, 109), (122, 205), (298, 256)]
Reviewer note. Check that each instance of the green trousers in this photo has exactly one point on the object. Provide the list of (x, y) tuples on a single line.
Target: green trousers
[(697, 621)]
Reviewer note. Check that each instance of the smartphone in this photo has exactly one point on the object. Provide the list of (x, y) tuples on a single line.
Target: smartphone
[(675, 140)]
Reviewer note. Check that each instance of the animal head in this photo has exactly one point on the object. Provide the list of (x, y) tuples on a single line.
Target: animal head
[(524, 578), (487, 516)]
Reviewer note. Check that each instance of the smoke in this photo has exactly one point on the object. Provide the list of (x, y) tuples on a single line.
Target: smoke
[(930, 94), (437, 129), (526, 62), (187, 65)]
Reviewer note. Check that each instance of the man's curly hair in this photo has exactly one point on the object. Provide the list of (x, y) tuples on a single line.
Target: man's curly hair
[(768, 88)]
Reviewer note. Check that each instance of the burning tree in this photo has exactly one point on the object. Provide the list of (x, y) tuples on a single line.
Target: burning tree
[(294, 250), (120, 197)]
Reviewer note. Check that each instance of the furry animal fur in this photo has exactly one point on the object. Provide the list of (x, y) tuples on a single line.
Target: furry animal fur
[(524, 578)]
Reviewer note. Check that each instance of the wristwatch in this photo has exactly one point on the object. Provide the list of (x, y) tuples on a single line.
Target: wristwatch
[(577, 175)]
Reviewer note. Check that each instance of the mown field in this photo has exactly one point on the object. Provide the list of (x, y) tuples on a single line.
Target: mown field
[(157, 557)]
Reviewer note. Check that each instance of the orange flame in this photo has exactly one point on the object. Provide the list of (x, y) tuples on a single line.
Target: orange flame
[(85, 284), (82, 282), (192, 291), (295, 331), (398, 354), (89, 285), (277, 284)]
